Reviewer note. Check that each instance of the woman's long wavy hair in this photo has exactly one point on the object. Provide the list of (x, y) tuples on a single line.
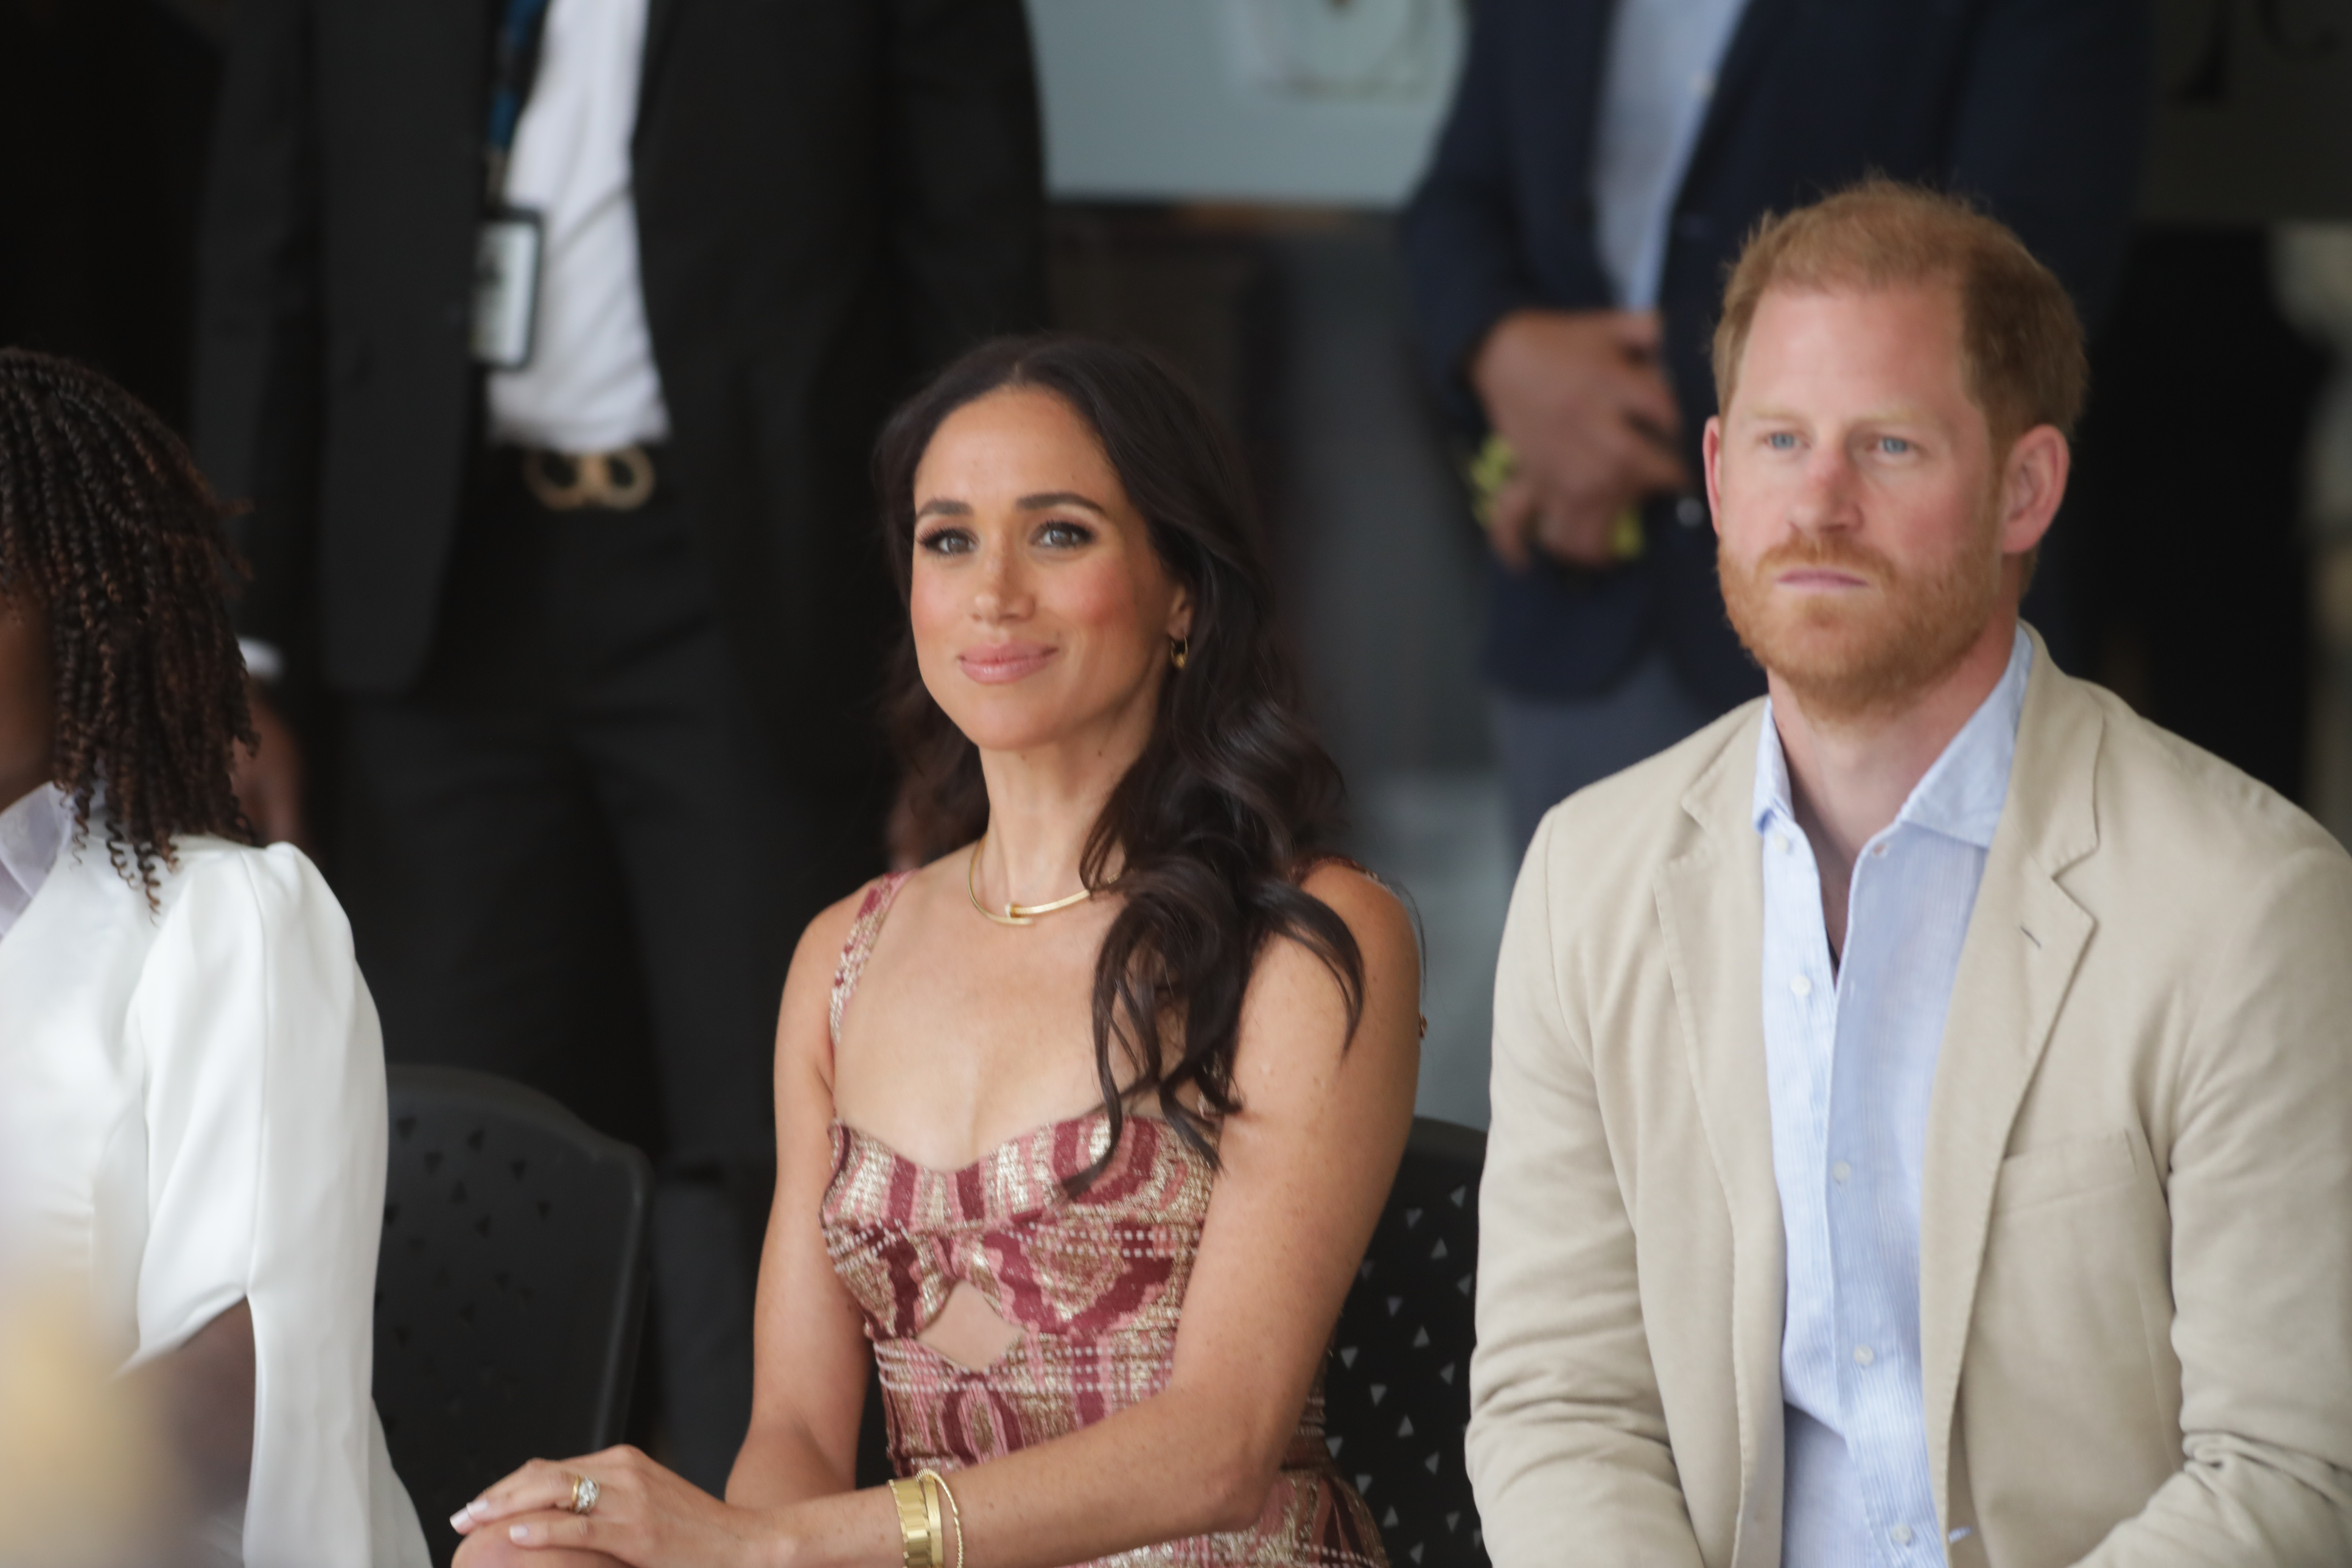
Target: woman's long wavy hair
[(1207, 836), (107, 527)]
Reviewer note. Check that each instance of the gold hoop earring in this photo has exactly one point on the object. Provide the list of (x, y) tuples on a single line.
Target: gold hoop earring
[(1179, 648)]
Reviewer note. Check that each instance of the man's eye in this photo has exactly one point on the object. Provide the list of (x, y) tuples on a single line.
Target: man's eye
[(1781, 441), (946, 541), (1893, 446), (1060, 535)]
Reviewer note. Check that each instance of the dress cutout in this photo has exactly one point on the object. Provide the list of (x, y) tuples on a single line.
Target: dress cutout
[(1094, 1285)]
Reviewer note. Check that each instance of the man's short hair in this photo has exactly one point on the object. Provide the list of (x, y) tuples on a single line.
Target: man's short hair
[(2020, 338)]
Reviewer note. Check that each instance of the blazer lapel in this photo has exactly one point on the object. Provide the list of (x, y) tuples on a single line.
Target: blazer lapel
[(1711, 910), (1580, 45), (661, 26), (1759, 31), (2025, 939)]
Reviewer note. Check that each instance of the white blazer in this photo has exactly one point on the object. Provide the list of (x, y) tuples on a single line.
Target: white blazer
[(192, 1110)]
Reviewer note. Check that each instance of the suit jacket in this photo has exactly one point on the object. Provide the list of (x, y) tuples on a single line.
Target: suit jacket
[(2136, 1231), (2035, 107), (832, 195)]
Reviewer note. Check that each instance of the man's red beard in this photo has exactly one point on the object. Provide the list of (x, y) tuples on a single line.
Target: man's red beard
[(1856, 655)]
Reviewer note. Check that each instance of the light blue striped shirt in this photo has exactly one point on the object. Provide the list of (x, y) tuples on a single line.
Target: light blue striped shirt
[(1850, 1060)]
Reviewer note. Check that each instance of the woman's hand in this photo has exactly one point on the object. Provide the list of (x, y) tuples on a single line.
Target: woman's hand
[(643, 1516)]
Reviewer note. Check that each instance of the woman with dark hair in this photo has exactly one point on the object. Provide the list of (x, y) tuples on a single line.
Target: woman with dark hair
[(192, 1110), (1084, 1125)]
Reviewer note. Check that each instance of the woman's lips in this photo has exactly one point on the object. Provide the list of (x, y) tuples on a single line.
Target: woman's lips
[(1002, 662)]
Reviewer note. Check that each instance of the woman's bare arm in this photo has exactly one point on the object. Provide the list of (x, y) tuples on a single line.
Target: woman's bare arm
[(809, 1352)]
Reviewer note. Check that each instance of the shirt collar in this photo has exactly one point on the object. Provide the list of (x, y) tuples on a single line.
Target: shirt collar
[(1961, 795), (32, 831)]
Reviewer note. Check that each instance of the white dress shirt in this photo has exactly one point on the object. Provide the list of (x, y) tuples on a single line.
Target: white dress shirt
[(1850, 1062), (1658, 84), (32, 830), (590, 384), (191, 1115)]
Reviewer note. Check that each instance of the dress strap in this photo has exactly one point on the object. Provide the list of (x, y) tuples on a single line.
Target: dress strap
[(871, 910)]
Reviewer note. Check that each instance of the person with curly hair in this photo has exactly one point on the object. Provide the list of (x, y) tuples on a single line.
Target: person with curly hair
[(192, 1095), (1084, 1125)]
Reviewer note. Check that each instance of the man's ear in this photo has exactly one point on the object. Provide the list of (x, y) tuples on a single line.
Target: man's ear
[(2033, 481), (1710, 446)]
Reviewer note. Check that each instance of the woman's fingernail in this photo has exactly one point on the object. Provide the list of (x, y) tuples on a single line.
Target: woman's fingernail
[(519, 1534), (462, 1517)]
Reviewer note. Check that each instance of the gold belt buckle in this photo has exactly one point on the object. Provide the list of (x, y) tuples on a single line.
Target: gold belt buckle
[(620, 480)]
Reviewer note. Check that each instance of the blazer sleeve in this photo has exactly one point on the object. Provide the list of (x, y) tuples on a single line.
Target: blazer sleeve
[(2260, 1191), (258, 380), (1567, 1446), (1461, 231), (968, 210), (2052, 127), (266, 1172)]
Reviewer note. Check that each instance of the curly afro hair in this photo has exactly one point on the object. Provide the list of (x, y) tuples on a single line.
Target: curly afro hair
[(108, 528)]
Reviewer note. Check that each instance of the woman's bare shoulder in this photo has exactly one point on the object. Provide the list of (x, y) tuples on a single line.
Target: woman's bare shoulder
[(1302, 981), (824, 938), (1374, 914)]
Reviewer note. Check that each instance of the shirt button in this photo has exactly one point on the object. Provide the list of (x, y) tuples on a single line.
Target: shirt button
[(1863, 1356), (1902, 1534), (1802, 986), (1840, 1173), (1780, 842)]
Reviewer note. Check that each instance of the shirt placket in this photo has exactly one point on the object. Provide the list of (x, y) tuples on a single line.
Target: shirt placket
[(1872, 1347)]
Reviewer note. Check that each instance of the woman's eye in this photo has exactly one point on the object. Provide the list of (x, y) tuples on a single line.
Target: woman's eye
[(1060, 535), (946, 541)]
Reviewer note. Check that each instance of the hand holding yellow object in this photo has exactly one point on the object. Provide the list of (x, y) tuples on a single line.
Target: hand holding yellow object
[(1496, 465)]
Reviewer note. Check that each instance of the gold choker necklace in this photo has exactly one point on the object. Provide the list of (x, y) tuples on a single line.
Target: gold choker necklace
[(1014, 914)]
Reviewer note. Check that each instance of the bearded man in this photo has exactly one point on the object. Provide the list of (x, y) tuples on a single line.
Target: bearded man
[(1923, 1114)]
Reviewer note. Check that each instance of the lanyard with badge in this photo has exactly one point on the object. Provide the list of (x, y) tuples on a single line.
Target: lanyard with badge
[(507, 247)]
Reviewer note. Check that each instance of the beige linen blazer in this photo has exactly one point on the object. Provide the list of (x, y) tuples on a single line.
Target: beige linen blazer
[(2135, 1247)]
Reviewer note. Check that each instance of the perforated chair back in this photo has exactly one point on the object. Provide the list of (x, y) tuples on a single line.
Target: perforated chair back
[(510, 1289), (1397, 1396)]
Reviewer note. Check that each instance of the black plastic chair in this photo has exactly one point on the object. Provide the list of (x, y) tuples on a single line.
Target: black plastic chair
[(510, 1291), (1397, 1396)]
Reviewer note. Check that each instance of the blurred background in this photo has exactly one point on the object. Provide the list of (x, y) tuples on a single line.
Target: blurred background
[(1225, 176)]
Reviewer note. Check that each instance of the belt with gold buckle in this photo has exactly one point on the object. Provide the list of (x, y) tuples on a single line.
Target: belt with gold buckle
[(618, 481)]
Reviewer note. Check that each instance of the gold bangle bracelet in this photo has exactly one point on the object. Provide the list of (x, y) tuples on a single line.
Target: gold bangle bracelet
[(955, 1514), (919, 1524)]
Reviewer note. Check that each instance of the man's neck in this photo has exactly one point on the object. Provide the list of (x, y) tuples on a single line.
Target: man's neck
[(1849, 776)]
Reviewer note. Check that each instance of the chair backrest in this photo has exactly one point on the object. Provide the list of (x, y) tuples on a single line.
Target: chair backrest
[(1397, 1396), (510, 1290)]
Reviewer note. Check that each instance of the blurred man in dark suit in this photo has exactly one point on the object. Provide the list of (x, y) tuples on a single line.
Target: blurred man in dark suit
[(548, 341), (1603, 161)]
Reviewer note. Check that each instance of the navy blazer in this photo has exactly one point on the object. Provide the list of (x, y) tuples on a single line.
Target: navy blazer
[(2036, 107)]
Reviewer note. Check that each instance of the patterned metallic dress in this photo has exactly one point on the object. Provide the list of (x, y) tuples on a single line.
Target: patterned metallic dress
[(1094, 1284)]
